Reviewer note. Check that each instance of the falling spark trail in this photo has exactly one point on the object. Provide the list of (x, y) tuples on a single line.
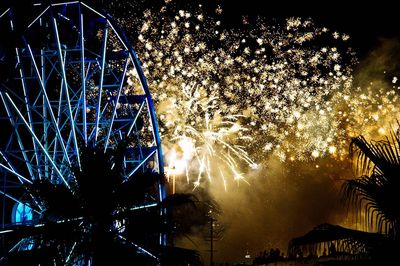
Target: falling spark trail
[(228, 99)]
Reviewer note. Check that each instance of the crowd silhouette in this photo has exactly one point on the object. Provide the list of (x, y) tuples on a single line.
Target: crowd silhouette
[(267, 257)]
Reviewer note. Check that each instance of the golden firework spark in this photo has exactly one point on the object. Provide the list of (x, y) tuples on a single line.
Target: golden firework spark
[(227, 99)]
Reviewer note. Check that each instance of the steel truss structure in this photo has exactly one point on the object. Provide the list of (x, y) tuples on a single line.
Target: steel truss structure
[(74, 81)]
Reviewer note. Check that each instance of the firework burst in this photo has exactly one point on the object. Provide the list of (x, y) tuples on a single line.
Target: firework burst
[(228, 99)]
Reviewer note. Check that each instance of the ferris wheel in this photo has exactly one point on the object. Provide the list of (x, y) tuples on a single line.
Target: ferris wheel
[(71, 82)]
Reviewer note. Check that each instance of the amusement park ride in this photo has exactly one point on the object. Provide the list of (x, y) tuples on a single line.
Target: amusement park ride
[(65, 88)]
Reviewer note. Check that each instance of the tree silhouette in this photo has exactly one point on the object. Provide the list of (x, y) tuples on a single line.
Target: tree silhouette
[(104, 217), (377, 190)]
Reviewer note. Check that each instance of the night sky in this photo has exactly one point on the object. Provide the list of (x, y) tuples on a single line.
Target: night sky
[(365, 22)]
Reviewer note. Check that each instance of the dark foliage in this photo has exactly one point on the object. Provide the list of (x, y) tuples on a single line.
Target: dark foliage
[(105, 216), (376, 191)]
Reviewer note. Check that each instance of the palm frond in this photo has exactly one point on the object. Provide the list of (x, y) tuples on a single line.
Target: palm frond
[(377, 189)]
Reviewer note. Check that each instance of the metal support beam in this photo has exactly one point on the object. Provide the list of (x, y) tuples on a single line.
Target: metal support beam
[(116, 105), (65, 82), (36, 139), (100, 90)]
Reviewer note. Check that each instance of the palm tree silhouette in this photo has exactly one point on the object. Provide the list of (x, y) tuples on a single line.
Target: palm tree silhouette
[(377, 190), (375, 193), (105, 218)]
